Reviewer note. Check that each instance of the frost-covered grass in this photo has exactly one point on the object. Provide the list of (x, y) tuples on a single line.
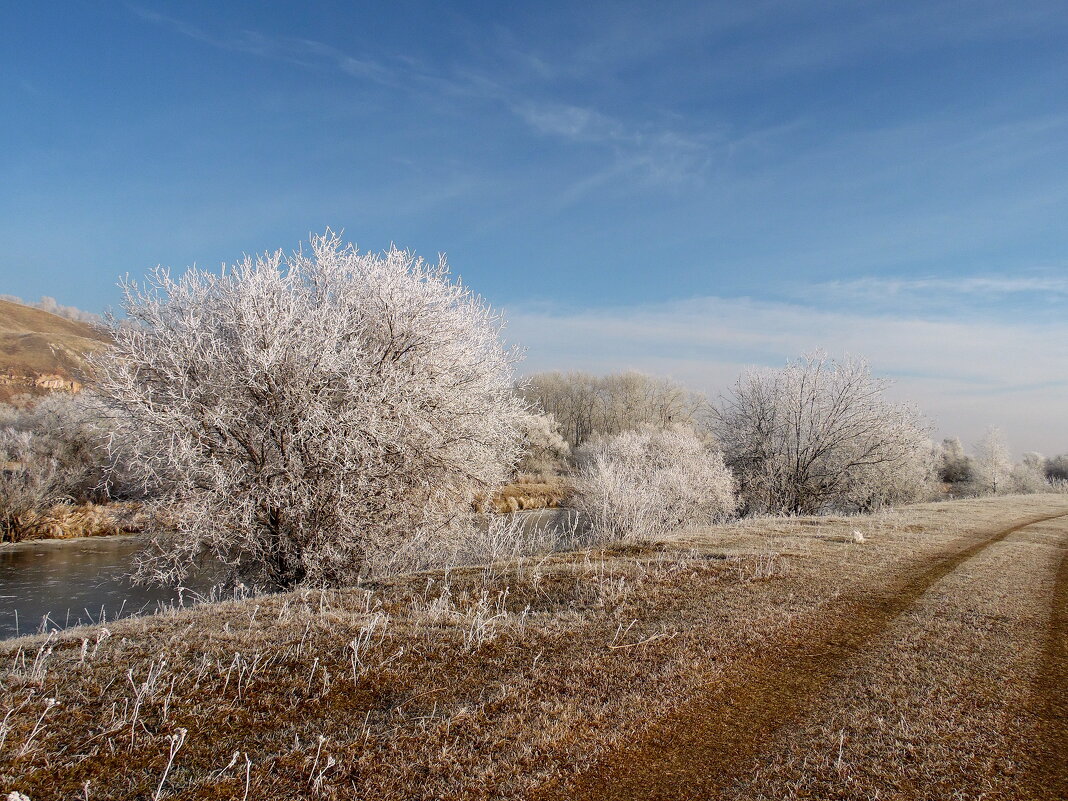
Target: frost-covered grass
[(475, 682)]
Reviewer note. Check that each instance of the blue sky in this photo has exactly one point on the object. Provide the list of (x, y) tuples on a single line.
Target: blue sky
[(680, 188)]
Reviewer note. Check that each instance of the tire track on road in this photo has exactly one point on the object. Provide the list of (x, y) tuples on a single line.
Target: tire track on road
[(698, 749), (1050, 749)]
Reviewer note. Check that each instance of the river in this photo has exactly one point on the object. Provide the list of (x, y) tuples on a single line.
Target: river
[(74, 582), (54, 584)]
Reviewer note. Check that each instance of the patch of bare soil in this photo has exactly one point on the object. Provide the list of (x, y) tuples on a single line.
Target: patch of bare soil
[(702, 749)]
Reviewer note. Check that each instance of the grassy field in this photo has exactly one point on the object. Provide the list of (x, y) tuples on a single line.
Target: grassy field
[(915, 654)]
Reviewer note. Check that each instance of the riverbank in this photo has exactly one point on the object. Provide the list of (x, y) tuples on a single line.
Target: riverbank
[(529, 493), (520, 677), (75, 521)]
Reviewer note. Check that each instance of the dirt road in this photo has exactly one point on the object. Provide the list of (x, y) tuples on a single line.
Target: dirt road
[(768, 658), (830, 709)]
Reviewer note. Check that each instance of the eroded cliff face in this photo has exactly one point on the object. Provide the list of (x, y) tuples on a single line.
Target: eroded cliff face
[(39, 384)]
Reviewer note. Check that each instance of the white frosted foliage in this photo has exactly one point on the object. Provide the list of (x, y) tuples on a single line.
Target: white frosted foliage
[(298, 415), (821, 434), (647, 482)]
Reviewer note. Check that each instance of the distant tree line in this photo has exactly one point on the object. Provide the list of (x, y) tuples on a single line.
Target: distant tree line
[(989, 469), (586, 405)]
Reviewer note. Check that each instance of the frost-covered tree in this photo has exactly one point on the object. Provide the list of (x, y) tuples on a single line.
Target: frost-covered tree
[(954, 465), (1057, 468), (820, 434), (544, 449), (650, 481), (299, 415), (587, 405), (992, 461)]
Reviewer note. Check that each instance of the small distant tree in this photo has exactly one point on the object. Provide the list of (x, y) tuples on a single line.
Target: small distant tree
[(647, 482), (545, 451), (820, 434), (992, 461), (298, 415), (1057, 468), (955, 466)]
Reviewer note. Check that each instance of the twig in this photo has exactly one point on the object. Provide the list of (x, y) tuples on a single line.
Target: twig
[(646, 640)]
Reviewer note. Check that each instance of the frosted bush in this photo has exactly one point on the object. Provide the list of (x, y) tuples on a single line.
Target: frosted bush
[(821, 434), (1026, 479), (544, 449), (29, 480), (297, 414), (647, 482)]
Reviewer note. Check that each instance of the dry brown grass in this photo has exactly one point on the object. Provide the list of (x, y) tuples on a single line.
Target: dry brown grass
[(943, 703), (529, 492), (482, 683), (70, 521)]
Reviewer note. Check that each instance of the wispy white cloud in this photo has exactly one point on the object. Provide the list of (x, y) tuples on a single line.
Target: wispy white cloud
[(1036, 296), (295, 50), (656, 154), (741, 48), (659, 154), (967, 285)]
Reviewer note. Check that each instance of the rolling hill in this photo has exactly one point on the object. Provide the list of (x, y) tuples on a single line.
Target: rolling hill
[(42, 352)]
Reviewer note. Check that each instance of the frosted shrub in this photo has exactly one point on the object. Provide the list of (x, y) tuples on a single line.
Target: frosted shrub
[(646, 482), (1027, 479), (29, 480), (74, 430), (953, 464), (1057, 468), (544, 449), (820, 434), (298, 415)]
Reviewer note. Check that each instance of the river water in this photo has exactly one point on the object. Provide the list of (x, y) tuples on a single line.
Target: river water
[(74, 582), (53, 584)]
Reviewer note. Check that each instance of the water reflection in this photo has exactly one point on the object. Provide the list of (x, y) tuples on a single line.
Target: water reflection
[(59, 583), (54, 584)]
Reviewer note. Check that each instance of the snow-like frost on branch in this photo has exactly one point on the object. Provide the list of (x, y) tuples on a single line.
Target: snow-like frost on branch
[(820, 434), (299, 415), (644, 483)]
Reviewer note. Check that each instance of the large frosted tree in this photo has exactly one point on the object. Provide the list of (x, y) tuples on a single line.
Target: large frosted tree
[(297, 415), (821, 434)]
